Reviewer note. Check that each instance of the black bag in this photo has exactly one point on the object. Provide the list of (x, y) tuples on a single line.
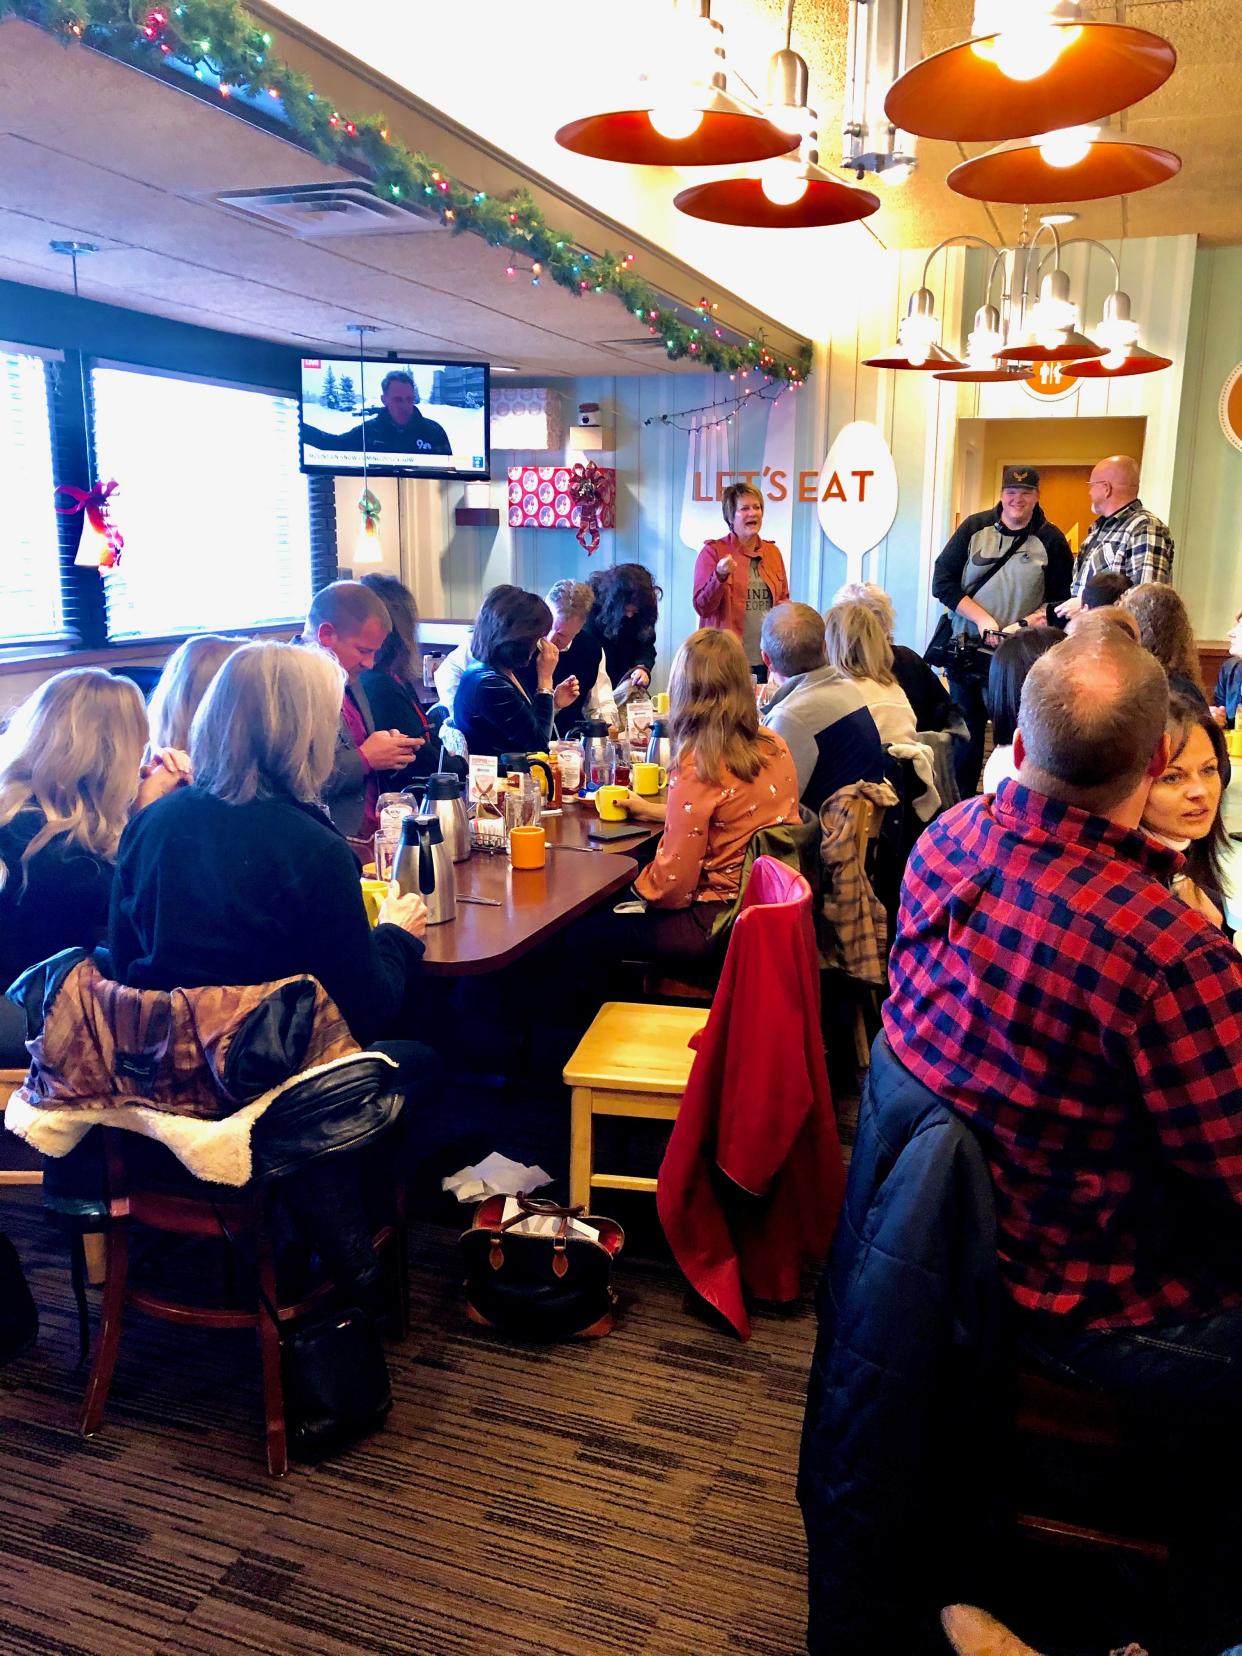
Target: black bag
[(333, 1373), (555, 1287), (966, 660), (19, 1318), (336, 1383)]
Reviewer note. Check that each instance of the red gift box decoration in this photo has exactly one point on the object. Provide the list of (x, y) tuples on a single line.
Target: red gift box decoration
[(578, 497)]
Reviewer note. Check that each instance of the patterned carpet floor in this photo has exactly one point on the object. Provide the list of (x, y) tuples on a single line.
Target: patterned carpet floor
[(624, 1496)]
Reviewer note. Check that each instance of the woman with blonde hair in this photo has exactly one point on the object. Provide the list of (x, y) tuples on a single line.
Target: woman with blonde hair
[(1165, 630), (857, 645), (240, 877), (71, 775), (934, 708), (729, 778), (182, 686)]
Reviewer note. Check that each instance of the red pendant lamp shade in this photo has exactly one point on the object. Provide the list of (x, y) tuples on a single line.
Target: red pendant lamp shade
[(960, 94), (727, 135), (742, 201), (1016, 172), (1138, 361)]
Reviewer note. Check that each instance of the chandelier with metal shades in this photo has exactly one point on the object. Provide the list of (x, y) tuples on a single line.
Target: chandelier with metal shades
[(1035, 320)]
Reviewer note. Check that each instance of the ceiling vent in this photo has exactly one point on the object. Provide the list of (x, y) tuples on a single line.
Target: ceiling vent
[(309, 211), (644, 340)]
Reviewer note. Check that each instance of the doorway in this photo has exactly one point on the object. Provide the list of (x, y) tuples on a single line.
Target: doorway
[(1063, 450)]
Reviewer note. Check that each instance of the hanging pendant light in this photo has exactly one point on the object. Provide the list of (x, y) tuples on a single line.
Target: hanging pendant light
[(1071, 164), (1118, 333), (1053, 334), (788, 192), (1027, 57), (917, 344), (686, 116), (1135, 360), (368, 548), (982, 364)]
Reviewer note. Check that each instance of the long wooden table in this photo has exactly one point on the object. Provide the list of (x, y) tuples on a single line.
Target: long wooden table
[(534, 904)]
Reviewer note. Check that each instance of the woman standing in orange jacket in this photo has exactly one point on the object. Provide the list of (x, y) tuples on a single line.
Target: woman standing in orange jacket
[(740, 577)]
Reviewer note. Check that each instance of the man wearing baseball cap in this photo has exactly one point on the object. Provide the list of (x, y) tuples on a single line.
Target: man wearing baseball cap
[(1001, 569)]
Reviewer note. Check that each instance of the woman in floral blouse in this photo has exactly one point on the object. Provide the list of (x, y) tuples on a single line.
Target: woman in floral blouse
[(728, 779)]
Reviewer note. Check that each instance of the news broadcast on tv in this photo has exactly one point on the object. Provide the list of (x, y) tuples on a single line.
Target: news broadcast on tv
[(410, 417)]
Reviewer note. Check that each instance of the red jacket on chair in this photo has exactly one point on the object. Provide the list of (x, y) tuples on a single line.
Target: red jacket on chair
[(753, 1177)]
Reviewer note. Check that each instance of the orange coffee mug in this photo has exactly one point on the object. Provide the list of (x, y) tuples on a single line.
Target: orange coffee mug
[(528, 846)]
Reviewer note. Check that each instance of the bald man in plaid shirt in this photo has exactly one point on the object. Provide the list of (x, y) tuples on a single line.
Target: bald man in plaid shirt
[(1126, 538)]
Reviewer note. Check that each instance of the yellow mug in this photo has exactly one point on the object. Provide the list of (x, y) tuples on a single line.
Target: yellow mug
[(649, 778), (528, 846), (373, 894), (610, 803), (659, 704), (1233, 743)]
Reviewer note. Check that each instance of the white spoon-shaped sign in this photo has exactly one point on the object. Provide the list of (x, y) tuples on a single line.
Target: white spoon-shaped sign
[(857, 490)]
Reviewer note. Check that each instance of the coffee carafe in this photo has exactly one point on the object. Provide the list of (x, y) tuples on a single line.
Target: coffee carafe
[(599, 755), (425, 864), (659, 747), (445, 799)]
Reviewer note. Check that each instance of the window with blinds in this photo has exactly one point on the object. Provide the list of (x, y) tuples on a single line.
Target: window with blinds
[(30, 602), (210, 500)]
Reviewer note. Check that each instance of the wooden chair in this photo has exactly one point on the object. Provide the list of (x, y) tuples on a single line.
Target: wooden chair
[(1050, 1412), (187, 1207), (633, 1061)]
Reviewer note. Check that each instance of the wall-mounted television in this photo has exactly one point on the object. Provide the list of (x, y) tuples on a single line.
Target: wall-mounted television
[(419, 419)]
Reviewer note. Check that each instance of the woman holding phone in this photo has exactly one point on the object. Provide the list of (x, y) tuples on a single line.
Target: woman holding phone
[(492, 708)]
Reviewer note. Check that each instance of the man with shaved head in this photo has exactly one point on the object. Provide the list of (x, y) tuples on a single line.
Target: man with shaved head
[(1049, 989), (1125, 538)]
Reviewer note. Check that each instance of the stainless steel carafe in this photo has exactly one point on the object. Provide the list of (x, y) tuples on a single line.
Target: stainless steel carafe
[(659, 747), (425, 864), (445, 800)]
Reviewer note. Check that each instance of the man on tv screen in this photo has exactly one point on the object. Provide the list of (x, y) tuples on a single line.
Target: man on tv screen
[(398, 428)]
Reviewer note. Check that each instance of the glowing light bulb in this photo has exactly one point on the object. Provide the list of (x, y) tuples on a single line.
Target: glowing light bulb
[(1029, 49), (917, 335), (783, 181), (675, 121), (1069, 146), (982, 346), (1112, 360)]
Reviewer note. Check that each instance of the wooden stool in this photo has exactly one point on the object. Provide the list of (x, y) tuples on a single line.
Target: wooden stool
[(11, 1177), (633, 1061)]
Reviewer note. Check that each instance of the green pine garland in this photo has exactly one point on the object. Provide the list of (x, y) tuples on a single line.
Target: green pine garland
[(218, 36)]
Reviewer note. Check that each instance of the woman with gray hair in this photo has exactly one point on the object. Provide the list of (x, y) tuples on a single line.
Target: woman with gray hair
[(241, 878), (581, 668)]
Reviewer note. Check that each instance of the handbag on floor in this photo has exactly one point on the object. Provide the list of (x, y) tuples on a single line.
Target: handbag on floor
[(546, 1280), (335, 1379)]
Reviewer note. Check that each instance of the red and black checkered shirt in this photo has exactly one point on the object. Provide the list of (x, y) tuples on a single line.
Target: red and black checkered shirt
[(1088, 1025)]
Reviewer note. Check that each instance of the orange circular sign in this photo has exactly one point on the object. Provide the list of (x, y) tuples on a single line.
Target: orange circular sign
[(1049, 381), (1231, 407)]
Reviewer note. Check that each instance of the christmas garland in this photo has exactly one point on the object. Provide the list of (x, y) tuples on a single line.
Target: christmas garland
[(218, 38)]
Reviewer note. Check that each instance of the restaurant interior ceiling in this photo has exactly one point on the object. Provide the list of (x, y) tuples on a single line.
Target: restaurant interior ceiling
[(137, 169), (1194, 113)]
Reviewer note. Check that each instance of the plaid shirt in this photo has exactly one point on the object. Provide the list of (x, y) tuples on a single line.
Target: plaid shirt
[(1088, 1025), (1132, 541)]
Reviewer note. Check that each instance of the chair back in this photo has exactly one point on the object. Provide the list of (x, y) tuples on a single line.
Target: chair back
[(794, 844)]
